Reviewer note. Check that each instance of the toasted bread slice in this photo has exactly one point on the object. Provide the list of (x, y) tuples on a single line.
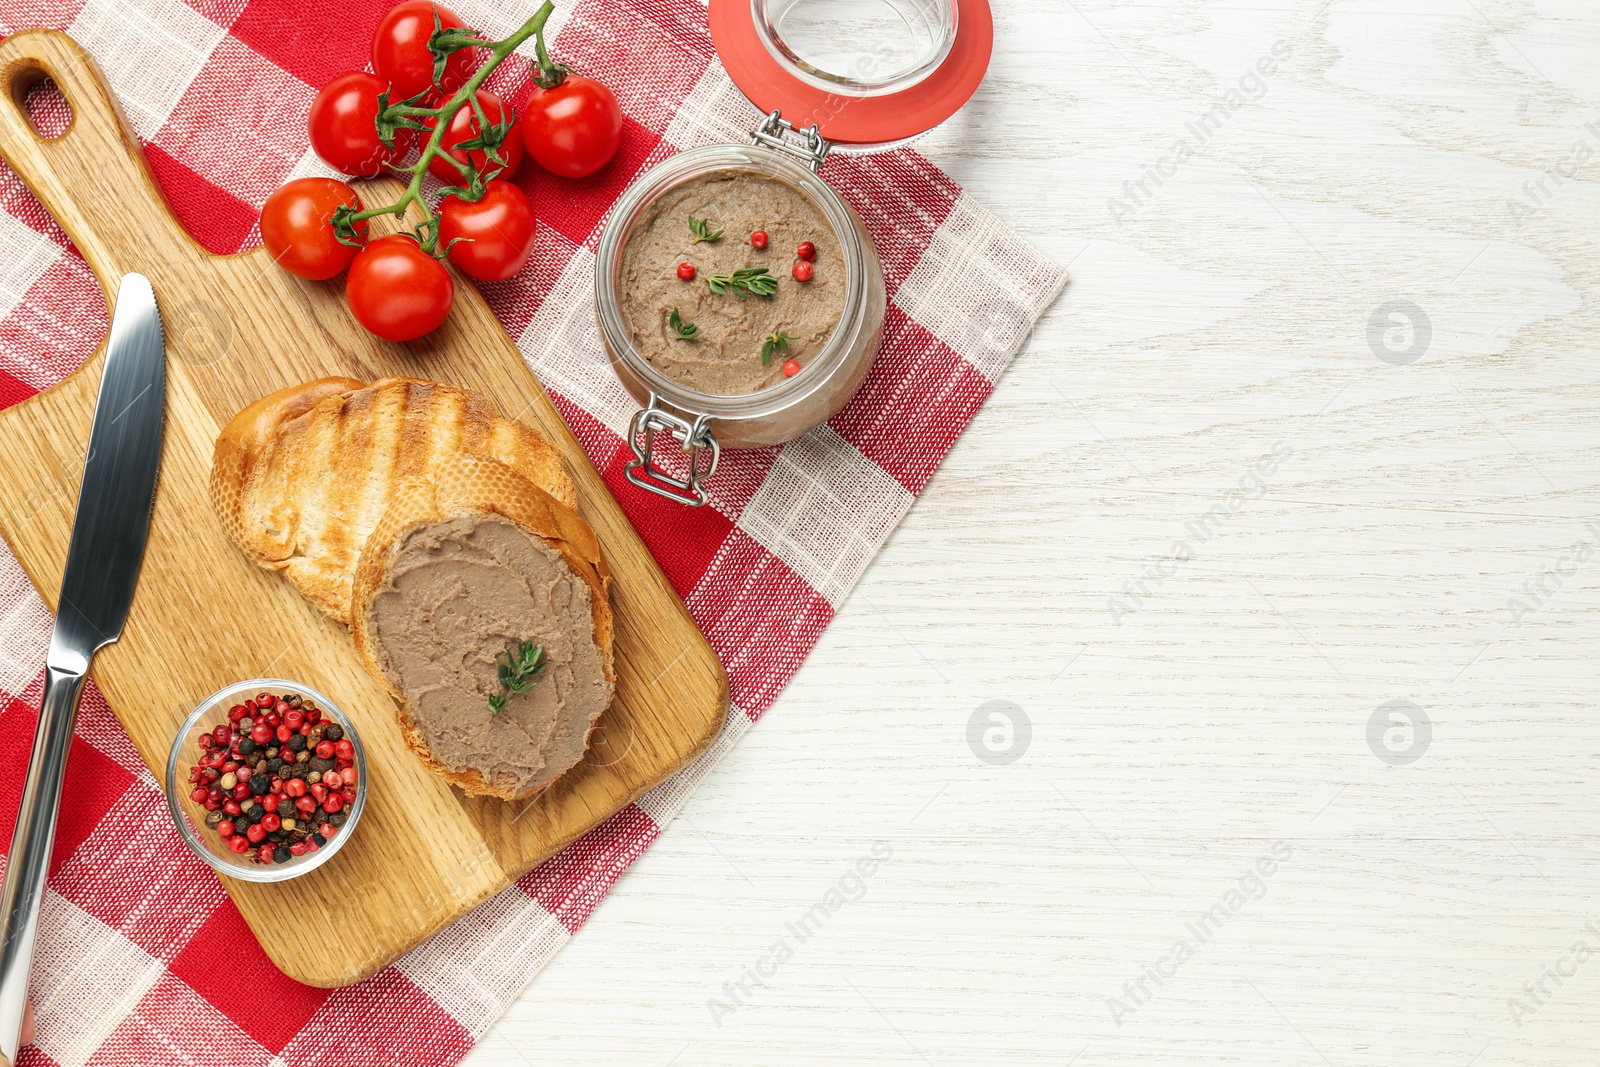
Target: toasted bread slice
[(301, 477), (539, 736)]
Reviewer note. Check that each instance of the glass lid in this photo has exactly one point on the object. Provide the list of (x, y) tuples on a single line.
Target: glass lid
[(865, 72)]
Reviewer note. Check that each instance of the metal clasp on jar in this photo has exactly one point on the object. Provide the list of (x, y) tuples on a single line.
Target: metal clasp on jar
[(774, 133), (700, 448)]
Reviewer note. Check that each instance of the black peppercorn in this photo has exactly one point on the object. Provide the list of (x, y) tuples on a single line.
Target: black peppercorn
[(334, 732), (274, 766), (297, 742), (302, 755), (338, 818), (260, 784), (286, 808), (281, 855), (214, 817), (320, 764), (247, 746)]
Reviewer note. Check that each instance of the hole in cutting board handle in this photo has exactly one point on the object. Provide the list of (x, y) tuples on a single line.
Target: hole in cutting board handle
[(39, 99)]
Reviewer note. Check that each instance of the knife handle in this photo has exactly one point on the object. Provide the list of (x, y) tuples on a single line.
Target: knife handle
[(29, 859)]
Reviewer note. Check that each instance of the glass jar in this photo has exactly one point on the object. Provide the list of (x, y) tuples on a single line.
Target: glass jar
[(858, 48), (702, 424)]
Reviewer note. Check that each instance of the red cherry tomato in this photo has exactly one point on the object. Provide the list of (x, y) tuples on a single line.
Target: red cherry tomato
[(573, 129), (400, 53), (398, 291), (343, 129), (499, 231), (464, 126)]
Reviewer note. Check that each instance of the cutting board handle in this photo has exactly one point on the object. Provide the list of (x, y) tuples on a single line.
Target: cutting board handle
[(93, 179)]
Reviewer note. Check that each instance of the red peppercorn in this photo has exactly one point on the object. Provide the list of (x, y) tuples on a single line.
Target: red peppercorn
[(211, 804), (225, 828), (237, 712), (298, 849), (220, 735), (306, 804), (347, 775), (314, 716), (261, 733), (199, 794), (318, 790), (759, 239), (333, 803), (791, 368), (255, 833), (238, 844), (802, 271), (293, 718), (230, 766), (686, 271), (324, 749), (807, 251), (207, 742), (265, 700), (265, 855), (327, 829), (281, 707), (232, 807), (332, 779), (241, 791), (295, 787), (271, 821), (344, 748), (284, 733), (273, 719)]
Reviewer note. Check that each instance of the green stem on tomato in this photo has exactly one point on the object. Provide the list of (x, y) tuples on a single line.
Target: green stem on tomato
[(427, 231), (548, 74)]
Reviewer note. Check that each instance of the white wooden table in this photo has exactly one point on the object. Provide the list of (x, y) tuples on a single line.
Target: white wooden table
[(1422, 534)]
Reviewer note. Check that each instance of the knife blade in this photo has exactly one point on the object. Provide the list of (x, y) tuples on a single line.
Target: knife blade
[(109, 531)]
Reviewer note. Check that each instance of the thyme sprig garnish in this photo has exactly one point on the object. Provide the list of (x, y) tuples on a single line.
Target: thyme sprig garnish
[(686, 331), (745, 281), (518, 673), (778, 342), (412, 114), (702, 230)]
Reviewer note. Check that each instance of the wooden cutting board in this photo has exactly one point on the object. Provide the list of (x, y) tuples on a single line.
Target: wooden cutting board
[(237, 327)]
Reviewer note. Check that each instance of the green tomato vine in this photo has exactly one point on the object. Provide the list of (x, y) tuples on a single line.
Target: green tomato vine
[(409, 114)]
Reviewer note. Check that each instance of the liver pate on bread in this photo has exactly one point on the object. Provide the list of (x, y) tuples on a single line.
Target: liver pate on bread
[(443, 535)]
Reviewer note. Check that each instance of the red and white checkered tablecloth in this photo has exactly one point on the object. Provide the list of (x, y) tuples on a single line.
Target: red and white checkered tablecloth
[(133, 927)]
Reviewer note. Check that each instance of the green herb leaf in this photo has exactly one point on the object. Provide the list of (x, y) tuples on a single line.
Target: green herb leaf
[(744, 281), (686, 331), (702, 230), (778, 342), (517, 674)]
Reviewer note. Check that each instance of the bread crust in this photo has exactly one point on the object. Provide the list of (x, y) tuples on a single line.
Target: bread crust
[(301, 477), (324, 481)]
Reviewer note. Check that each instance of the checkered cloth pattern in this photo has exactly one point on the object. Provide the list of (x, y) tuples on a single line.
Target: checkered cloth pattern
[(142, 959)]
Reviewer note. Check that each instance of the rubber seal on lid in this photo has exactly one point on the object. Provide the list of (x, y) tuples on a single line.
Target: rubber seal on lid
[(845, 119)]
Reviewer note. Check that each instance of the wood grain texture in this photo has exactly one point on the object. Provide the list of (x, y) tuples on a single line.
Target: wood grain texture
[(1231, 710), (238, 328)]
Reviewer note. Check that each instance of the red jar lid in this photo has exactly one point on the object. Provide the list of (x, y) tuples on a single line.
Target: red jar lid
[(848, 119)]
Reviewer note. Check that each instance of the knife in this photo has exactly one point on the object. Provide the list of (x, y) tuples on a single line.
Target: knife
[(103, 557)]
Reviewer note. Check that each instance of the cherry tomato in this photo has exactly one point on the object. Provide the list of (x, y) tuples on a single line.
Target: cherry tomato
[(343, 129), (297, 227), (400, 50), (573, 129), (398, 291), (464, 126), (499, 231)]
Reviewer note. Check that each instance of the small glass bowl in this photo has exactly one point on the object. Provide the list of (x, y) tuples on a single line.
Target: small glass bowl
[(190, 818)]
